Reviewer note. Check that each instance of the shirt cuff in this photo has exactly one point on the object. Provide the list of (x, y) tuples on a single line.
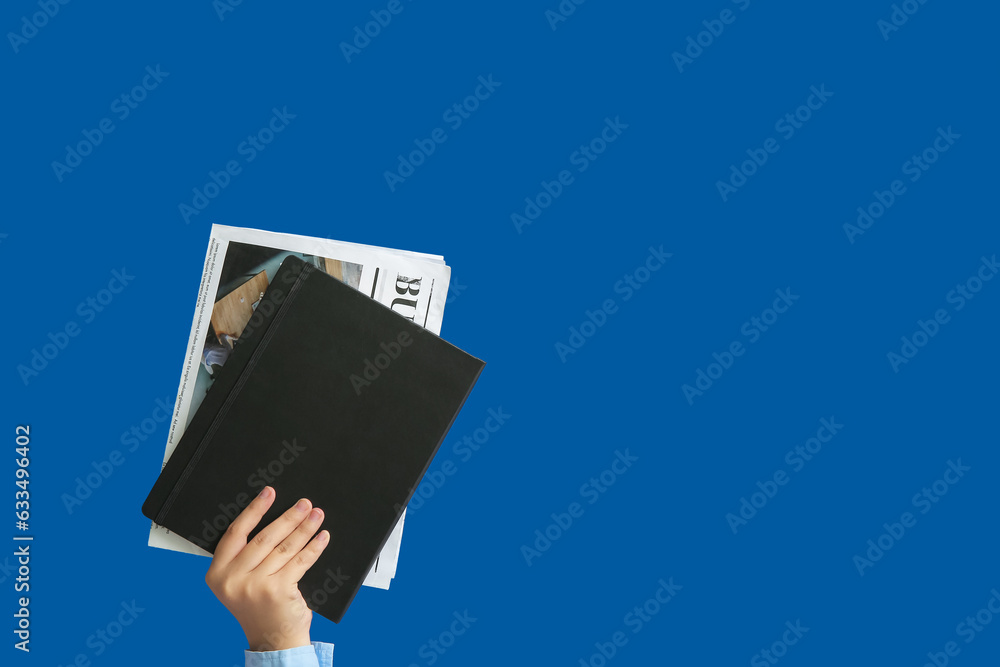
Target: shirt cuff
[(324, 653), (319, 654)]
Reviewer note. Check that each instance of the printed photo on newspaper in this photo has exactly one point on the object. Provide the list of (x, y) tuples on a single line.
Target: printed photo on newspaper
[(239, 264)]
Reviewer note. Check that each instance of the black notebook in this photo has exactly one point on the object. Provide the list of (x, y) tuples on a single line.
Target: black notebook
[(328, 395)]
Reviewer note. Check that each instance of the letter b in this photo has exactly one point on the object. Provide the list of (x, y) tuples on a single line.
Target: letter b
[(51, 7), (62, 340), (885, 198), (426, 146), (768, 487), (930, 327), (940, 658), (758, 155), (104, 468), (94, 136), (598, 317), (554, 188), (392, 349), (563, 520), (715, 26), (382, 16), (889, 528), (221, 178), (725, 359), (230, 510), (607, 649)]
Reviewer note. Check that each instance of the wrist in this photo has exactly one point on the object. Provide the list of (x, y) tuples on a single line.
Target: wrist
[(277, 641)]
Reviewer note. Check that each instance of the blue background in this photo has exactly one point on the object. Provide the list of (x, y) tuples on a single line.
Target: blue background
[(826, 357)]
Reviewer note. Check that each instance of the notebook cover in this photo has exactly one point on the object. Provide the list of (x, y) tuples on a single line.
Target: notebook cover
[(328, 395)]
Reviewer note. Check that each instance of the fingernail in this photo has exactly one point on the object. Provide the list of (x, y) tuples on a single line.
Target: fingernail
[(315, 514), (323, 536), (265, 492), (302, 505)]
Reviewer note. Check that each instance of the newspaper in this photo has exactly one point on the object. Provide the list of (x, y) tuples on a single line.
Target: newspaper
[(238, 266)]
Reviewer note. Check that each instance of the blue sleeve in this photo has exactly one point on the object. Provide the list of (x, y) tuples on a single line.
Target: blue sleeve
[(320, 654)]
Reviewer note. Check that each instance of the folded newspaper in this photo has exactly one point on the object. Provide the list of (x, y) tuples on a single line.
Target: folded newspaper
[(238, 267)]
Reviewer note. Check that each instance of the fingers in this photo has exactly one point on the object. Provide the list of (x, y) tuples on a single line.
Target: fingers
[(254, 553), (296, 567), (287, 549), (235, 539)]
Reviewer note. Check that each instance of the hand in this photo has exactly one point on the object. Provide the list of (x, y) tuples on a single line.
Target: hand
[(258, 582)]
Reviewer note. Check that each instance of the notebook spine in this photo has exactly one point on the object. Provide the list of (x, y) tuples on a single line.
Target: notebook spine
[(271, 327)]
